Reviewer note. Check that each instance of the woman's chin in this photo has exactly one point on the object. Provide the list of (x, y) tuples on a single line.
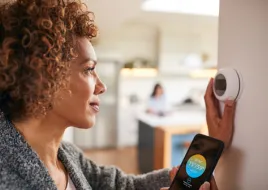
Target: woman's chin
[(85, 125)]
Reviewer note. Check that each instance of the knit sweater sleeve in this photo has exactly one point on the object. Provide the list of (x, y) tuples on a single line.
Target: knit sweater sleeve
[(112, 178)]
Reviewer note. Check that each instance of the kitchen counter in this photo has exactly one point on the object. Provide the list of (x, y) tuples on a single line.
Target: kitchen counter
[(177, 118)]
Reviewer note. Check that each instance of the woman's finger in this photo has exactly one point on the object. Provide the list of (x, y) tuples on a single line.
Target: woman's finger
[(209, 92), (173, 173), (228, 118), (213, 184), (229, 112), (217, 106), (164, 188), (212, 107), (205, 186)]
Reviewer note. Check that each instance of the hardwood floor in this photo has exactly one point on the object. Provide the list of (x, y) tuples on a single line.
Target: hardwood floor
[(125, 158)]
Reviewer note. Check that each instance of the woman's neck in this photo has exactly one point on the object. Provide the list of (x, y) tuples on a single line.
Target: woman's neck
[(44, 136)]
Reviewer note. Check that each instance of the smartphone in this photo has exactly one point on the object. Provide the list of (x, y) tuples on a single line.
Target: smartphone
[(198, 164)]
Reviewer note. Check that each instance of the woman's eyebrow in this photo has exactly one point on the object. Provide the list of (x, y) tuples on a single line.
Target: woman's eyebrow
[(88, 60)]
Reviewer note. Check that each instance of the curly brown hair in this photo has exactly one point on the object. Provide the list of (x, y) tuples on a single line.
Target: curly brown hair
[(36, 46)]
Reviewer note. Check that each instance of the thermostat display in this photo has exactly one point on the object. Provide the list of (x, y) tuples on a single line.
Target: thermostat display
[(220, 84), (227, 84)]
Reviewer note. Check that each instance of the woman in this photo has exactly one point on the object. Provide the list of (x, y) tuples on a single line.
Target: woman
[(48, 82), (157, 104)]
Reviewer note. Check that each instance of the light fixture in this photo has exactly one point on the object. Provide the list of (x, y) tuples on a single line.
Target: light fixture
[(196, 7), (203, 73), (139, 72)]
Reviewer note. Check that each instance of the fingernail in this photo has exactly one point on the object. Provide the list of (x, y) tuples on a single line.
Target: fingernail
[(206, 186), (230, 103)]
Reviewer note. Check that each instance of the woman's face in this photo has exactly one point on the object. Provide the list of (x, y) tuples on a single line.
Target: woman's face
[(80, 107), (159, 91)]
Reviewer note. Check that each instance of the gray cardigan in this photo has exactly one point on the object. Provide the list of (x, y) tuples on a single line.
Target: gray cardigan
[(21, 168)]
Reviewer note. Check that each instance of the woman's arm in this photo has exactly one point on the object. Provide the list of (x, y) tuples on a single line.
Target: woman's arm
[(112, 178)]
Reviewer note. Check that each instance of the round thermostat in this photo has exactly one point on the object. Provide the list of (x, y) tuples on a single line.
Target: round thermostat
[(227, 84)]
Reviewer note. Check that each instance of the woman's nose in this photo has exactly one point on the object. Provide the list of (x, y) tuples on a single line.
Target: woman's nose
[(100, 87)]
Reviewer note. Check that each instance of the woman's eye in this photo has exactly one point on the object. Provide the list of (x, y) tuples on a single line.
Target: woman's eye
[(90, 70)]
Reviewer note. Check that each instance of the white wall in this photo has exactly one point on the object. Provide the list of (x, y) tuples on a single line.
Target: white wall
[(243, 44)]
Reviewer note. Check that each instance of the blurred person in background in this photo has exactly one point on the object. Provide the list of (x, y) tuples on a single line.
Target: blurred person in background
[(49, 82), (157, 104)]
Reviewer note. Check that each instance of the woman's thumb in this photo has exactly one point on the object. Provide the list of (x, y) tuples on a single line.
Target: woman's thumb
[(205, 186)]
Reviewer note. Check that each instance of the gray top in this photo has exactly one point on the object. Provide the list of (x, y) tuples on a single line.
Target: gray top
[(21, 168)]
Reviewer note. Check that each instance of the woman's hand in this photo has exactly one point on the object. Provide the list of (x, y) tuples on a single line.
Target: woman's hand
[(206, 186), (219, 127)]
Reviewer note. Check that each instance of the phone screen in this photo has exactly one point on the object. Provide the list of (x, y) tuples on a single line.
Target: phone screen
[(198, 163)]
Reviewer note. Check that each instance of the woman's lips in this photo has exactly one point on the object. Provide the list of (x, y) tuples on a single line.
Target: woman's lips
[(95, 106)]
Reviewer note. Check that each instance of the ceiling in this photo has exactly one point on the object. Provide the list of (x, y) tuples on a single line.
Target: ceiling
[(112, 14)]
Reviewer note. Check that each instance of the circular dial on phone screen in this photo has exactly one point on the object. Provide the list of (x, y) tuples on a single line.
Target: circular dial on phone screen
[(196, 166)]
